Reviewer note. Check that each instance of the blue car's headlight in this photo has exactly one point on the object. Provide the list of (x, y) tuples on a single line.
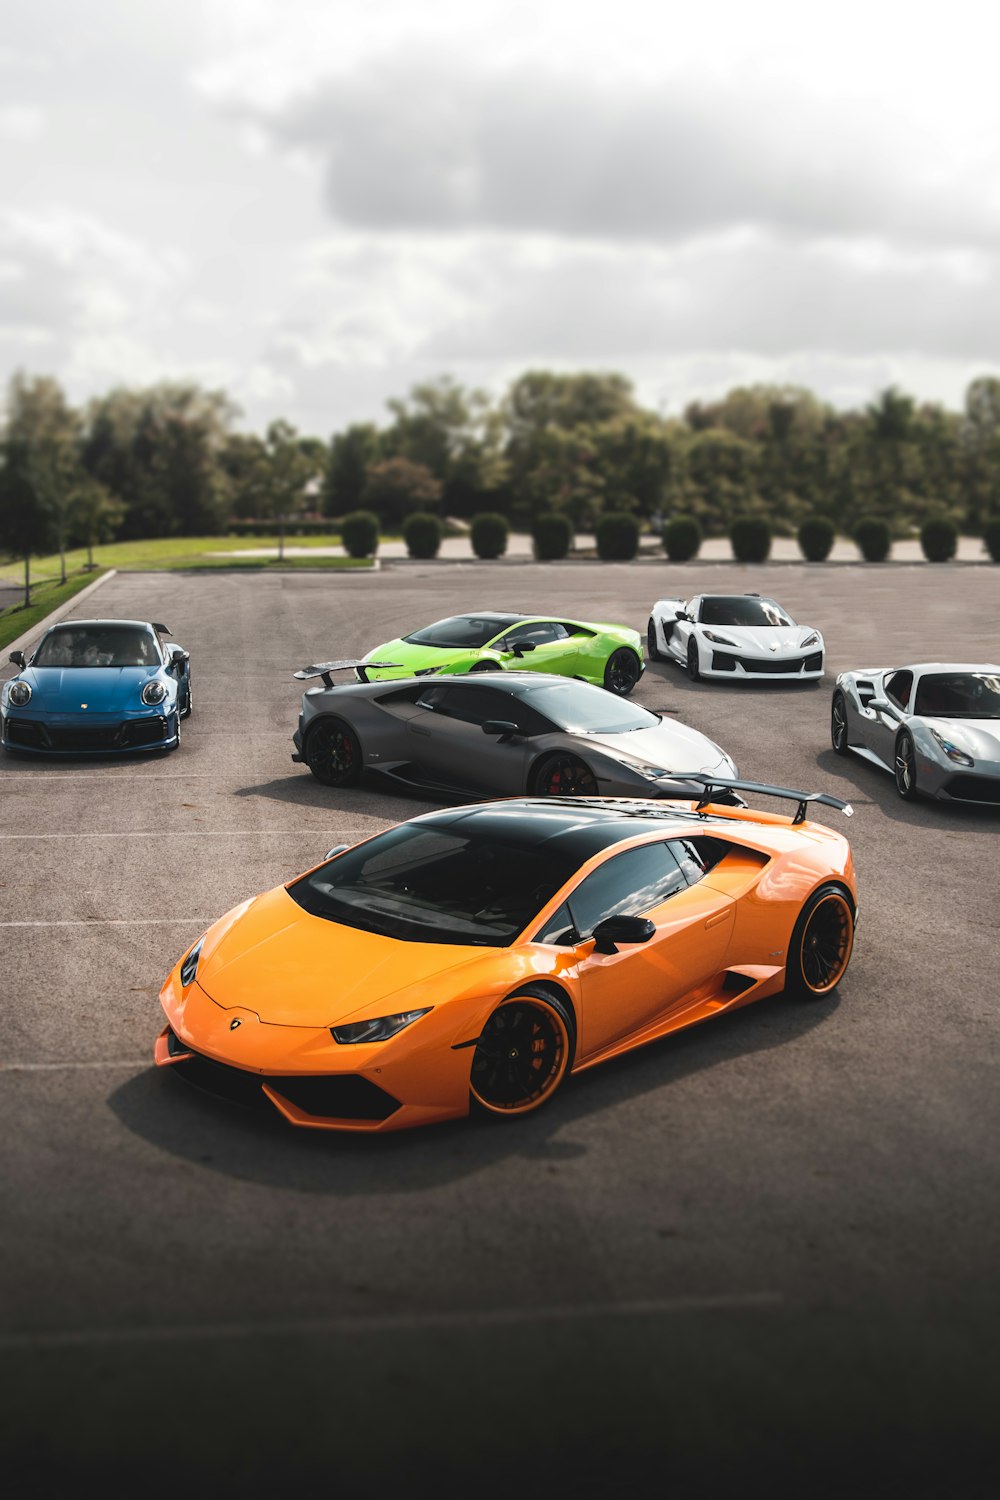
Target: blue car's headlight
[(153, 692), (952, 751), (189, 967), (378, 1030), (20, 694)]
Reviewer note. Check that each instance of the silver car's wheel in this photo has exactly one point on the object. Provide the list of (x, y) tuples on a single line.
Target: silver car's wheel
[(838, 724), (906, 767)]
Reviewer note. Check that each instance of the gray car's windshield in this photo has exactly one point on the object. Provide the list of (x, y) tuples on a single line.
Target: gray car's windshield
[(959, 695), (742, 609), (580, 708), (461, 630), (97, 646), (429, 885)]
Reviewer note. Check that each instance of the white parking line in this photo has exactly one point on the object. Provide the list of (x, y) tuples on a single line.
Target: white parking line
[(75, 1067), (125, 775), (177, 1333), (113, 922), (191, 833)]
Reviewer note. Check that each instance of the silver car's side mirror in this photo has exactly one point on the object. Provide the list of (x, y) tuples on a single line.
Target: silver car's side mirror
[(883, 706)]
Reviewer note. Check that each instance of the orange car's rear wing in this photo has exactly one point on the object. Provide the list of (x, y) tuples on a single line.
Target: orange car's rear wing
[(356, 664), (715, 784)]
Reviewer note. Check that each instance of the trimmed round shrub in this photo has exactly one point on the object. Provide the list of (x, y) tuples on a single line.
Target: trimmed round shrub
[(991, 538), (422, 534), (816, 538), (939, 539), (681, 538), (750, 539), (873, 538), (552, 536), (359, 533), (488, 533), (617, 536)]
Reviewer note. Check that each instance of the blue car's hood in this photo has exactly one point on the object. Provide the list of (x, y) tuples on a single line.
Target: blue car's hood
[(102, 689)]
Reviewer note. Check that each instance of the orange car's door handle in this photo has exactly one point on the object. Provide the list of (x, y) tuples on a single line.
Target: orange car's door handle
[(720, 916)]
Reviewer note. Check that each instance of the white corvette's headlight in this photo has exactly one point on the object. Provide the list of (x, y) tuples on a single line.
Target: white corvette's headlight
[(153, 692), (810, 640), (720, 640)]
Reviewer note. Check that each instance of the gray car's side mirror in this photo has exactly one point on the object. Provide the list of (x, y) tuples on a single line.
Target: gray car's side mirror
[(621, 929), (503, 728), (17, 657)]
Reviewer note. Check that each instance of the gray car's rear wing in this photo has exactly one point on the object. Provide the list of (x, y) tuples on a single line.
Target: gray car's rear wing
[(349, 664), (713, 784)]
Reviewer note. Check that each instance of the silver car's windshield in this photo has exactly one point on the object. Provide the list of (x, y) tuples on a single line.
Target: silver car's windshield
[(579, 708), (425, 885), (461, 630), (742, 609), (97, 646), (959, 695)]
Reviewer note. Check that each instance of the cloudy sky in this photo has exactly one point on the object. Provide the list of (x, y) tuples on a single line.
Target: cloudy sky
[(317, 203)]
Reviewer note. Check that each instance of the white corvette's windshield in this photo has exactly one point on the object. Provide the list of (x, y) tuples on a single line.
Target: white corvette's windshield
[(742, 609)]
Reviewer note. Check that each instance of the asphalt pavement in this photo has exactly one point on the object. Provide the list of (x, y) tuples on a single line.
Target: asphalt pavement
[(758, 1257)]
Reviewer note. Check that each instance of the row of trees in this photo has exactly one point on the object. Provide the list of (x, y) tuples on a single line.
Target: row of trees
[(168, 460)]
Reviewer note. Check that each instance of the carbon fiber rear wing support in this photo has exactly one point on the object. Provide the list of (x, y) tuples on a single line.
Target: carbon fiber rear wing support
[(349, 664), (713, 784)]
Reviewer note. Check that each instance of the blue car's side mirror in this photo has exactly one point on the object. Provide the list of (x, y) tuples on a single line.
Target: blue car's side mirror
[(17, 657)]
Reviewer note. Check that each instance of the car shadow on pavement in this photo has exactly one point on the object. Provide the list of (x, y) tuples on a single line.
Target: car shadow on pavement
[(303, 790), (877, 787), (257, 1145)]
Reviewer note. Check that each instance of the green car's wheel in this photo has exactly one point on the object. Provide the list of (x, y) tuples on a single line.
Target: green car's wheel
[(622, 672), (333, 753), (563, 775), (486, 666), (523, 1054)]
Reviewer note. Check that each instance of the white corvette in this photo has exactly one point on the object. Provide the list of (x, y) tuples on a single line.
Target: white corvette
[(734, 636)]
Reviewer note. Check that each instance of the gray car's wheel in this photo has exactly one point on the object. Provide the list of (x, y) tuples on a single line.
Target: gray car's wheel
[(622, 672), (693, 669), (905, 766), (821, 944), (563, 774), (838, 724), (523, 1054), (333, 753), (652, 645)]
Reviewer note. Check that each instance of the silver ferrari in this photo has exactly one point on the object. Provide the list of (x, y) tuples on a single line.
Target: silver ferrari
[(935, 726), (515, 733)]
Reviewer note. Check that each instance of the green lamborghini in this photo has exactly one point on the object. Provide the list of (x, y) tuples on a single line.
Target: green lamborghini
[(609, 656)]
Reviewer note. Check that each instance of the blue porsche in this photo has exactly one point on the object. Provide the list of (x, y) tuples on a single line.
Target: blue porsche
[(97, 687)]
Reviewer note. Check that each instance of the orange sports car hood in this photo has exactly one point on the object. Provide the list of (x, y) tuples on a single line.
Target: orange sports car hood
[(294, 969)]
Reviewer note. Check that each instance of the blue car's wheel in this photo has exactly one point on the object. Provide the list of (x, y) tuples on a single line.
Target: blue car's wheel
[(188, 699)]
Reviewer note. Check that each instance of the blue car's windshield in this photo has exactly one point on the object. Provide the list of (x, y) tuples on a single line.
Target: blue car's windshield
[(97, 646), (426, 885), (461, 630)]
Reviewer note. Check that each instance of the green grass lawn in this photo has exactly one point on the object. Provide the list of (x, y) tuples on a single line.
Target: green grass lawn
[(47, 596), (167, 552)]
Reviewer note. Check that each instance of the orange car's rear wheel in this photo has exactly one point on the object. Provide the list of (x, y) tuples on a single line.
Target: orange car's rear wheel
[(821, 943), (523, 1054)]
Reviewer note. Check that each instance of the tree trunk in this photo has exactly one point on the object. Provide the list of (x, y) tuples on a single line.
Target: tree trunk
[(27, 579)]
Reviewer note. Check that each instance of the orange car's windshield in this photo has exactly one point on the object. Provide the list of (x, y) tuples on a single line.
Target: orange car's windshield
[(429, 885)]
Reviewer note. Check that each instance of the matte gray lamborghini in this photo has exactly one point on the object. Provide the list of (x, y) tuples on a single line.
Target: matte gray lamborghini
[(935, 726), (515, 733)]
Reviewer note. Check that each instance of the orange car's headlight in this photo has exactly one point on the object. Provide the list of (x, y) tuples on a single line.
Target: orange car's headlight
[(378, 1030)]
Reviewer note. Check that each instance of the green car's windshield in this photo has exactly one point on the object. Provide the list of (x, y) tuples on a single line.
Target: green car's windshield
[(425, 885), (461, 631), (959, 695), (580, 708)]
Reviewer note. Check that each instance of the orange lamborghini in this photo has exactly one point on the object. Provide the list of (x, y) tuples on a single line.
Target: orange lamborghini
[(479, 955)]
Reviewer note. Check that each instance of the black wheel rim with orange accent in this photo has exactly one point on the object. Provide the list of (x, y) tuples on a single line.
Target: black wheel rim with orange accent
[(520, 1058), (333, 753), (565, 776), (826, 943)]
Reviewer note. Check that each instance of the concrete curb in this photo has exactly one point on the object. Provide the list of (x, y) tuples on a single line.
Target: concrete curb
[(60, 612)]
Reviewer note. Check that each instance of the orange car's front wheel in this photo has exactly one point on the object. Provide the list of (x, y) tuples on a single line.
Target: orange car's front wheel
[(821, 943), (523, 1054)]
